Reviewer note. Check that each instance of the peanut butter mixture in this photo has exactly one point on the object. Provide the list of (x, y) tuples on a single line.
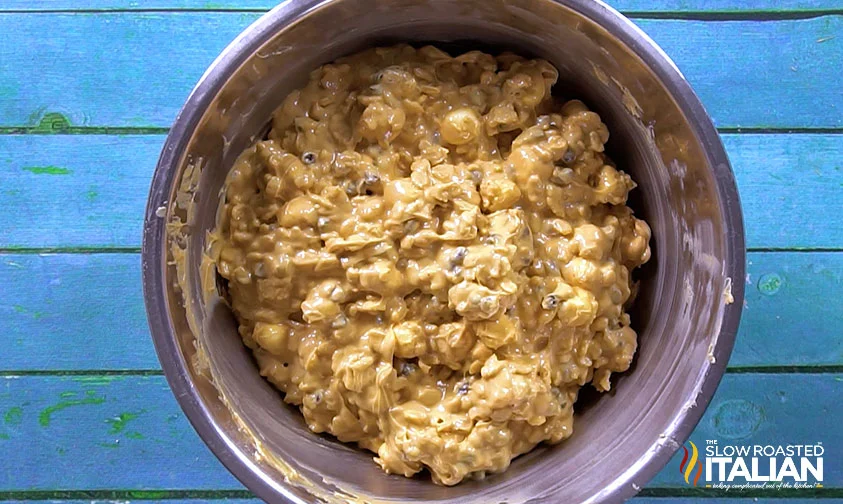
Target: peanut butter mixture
[(430, 256)]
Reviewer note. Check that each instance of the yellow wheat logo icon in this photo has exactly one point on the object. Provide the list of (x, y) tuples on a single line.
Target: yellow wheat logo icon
[(688, 468)]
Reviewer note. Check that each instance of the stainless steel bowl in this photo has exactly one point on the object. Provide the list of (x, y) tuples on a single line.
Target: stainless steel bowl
[(659, 133)]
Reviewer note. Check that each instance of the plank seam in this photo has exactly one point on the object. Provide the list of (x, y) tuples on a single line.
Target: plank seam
[(793, 369), (780, 131), (793, 249), (84, 130), (70, 250), (81, 372)]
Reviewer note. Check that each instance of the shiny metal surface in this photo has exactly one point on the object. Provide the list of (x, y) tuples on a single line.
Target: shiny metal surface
[(659, 133)]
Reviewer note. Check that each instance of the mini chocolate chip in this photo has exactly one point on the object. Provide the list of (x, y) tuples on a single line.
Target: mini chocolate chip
[(459, 255), (550, 302), (340, 321), (562, 176), (351, 189), (411, 226), (370, 178), (407, 368)]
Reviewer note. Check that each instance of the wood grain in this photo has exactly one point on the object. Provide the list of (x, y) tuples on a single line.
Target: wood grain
[(107, 432), (87, 190), (770, 409), (790, 186), (73, 311), (787, 184), (85, 311), (135, 437), (131, 69), (626, 6)]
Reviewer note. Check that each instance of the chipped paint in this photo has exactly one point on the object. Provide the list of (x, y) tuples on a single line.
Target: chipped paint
[(47, 170), (14, 416), (45, 417), (118, 423)]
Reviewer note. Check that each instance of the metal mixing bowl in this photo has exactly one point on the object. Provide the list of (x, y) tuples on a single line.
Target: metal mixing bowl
[(659, 133)]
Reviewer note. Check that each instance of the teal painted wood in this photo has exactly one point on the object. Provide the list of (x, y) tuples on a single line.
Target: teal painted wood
[(751, 74), (770, 409), (73, 311), (107, 69), (126, 432), (85, 311), (789, 185), (793, 314), (136, 69), (87, 190), (627, 6), (100, 432)]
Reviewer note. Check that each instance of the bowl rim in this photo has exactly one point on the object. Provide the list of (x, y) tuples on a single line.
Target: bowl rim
[(153, 251)]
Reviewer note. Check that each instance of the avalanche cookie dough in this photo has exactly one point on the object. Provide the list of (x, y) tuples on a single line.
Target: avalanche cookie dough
[(430, 256)]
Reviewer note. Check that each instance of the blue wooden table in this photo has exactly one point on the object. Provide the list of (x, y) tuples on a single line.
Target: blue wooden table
[(87, 92)]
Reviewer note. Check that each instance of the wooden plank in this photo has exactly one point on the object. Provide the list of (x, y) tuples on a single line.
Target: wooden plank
[(73, 311), (789, 317), (720, 60), (75, 191), (770, 409), (123, 69), (88, 313), (132, 421), (128, 422), (131, 69), (626, 6), (789, 184)]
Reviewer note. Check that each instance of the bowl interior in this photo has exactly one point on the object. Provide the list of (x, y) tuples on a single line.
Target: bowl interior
[(659, 134)]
